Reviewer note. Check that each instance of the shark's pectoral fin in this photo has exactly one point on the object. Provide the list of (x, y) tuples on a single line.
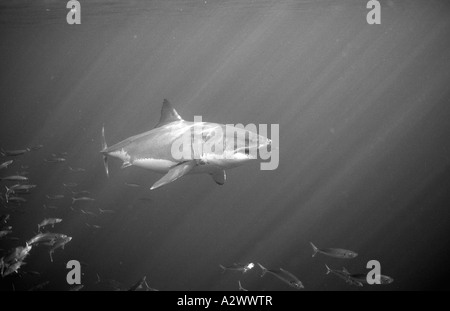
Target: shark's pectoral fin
[(219, 176), (174, 173)]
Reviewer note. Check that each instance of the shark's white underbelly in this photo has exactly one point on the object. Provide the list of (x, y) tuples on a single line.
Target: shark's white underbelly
[(157, 165)]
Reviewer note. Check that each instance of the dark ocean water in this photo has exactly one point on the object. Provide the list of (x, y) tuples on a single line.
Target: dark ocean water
[(364, 116)]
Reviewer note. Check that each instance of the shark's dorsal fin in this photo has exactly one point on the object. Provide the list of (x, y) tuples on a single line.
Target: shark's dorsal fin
[(168, 114)]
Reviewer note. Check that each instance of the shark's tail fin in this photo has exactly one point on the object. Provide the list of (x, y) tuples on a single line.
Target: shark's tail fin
[(223, 268), (328, 269), (104, 147), (315, 249), (264, 270)]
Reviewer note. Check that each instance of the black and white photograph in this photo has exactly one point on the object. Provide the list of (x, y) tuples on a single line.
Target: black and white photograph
[(224, 150)]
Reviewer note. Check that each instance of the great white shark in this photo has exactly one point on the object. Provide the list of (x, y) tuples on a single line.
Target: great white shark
[(207, 148)]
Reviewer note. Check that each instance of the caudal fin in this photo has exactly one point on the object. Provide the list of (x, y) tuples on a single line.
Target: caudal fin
[(104, 147), (315, 249), (328, 269), (264, 270)]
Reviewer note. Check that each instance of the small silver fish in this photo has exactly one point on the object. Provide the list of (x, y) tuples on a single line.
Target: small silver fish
[(284, 276), (132, 185), (76, 288), (4, 218), (55, 160), (55, 197), (238, 267), (14, 178), (39, 286), (82, 192), (70, 185), (16, 200), (46, 237), (19, 188), (106, 211), (4, 233), (82, 199), (362, 278), (13, 153), (93, 226), (334, 252), (17, 254), (87, 212), (60, 243), (49, 221), (76, 169), (345, 276), (50, 206), (13, 268), (37, 147), (6, 164)]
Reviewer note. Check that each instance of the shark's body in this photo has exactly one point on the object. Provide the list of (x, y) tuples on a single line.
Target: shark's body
[(154, 150)]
